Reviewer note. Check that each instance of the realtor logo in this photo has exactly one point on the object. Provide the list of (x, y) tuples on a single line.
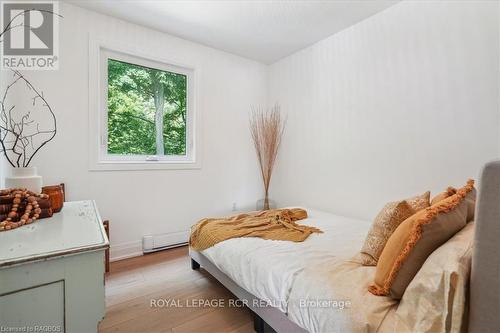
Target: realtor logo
[(30, 35)]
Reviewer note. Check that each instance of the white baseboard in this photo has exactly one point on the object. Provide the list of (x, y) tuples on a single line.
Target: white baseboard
[(125, 250)]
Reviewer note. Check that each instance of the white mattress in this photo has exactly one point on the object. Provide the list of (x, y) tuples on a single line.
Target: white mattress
[(268, 269)]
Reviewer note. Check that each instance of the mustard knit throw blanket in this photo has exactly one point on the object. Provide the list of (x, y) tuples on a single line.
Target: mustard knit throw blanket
[(275, 224)]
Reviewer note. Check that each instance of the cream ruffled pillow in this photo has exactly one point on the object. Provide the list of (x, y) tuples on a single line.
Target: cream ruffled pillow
[(435, 300)]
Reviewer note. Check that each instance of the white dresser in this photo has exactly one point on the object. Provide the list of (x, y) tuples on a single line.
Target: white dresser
[(52, 272)]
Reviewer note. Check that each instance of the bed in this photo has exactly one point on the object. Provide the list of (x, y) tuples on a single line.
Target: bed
[(288, 295)]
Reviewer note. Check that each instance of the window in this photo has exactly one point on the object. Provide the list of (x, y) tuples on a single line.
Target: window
[(146, 113)]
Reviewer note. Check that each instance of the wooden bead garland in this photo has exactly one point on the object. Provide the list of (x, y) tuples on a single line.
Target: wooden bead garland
[(31, 212)]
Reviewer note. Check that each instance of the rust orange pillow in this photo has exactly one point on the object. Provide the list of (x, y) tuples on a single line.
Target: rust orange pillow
[(415, 239), (470, 198)]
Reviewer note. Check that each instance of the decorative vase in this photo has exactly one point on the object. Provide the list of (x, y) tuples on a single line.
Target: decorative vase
[(56, 196), (261, 204), (24, 178)]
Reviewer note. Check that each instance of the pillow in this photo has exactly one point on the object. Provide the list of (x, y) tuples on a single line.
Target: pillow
[(382, 228), (443, 195), (435, 300), (470, 198), (389, 218), (415, 239), (419, 202)]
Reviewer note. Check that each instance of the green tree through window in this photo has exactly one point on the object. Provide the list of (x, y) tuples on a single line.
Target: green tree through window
[(146, 110)]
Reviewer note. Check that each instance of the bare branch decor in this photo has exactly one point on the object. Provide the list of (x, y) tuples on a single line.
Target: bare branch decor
[(266, 127), (24, 131)]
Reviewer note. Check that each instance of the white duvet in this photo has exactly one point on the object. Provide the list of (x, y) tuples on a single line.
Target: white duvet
[(268, 269), (322, 286)]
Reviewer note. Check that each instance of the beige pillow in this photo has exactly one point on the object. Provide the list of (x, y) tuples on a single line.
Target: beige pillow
[(382, 228), (419, 202), (415, 239), (389, 218), (435, 300)]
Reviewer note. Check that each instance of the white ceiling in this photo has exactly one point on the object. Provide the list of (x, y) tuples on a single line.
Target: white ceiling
[(265, 31)]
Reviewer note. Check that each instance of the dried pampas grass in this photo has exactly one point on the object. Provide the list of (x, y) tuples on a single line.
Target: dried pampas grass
[(267, 128)]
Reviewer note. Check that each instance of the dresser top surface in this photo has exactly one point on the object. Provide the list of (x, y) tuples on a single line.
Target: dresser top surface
[(77, 228)]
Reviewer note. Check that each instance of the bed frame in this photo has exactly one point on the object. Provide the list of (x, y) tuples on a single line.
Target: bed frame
[(266, 319), (484, 298)]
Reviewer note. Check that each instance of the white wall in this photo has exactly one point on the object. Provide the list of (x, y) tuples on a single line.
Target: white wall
[(405, 101), (161, 201)]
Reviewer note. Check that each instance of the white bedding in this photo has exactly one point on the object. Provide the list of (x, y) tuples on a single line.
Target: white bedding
[(263, 267), (338, 299)]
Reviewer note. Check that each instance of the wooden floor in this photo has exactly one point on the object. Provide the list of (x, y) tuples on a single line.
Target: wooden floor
[(132, 284)]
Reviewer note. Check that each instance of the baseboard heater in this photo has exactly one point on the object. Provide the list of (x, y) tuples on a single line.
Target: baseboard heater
[(155, 243)]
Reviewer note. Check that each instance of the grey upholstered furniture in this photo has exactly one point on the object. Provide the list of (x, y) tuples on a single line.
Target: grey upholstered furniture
[(484, 304)]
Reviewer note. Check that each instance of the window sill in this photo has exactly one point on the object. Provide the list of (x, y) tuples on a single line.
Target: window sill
[(141, 165)]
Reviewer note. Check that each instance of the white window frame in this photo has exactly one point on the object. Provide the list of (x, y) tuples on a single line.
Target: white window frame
[(100, 159)]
